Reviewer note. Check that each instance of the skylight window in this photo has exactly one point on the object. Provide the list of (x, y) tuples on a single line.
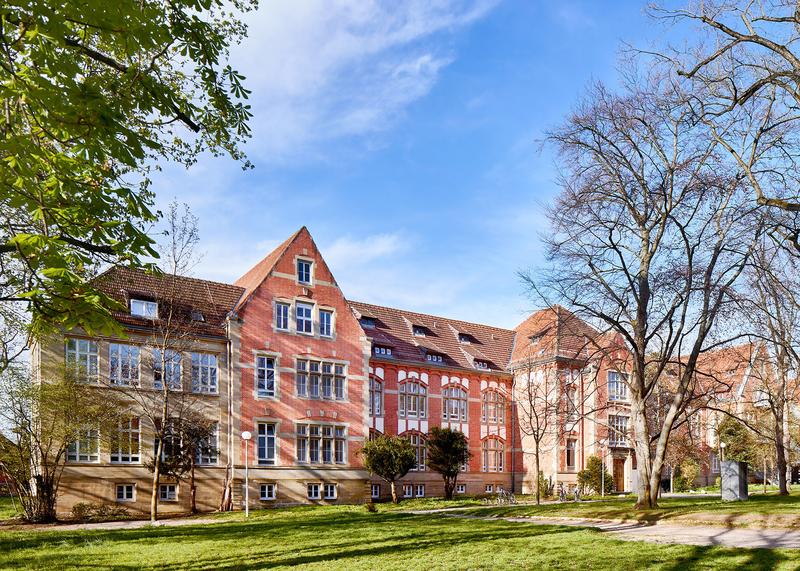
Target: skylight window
[(146, 309)]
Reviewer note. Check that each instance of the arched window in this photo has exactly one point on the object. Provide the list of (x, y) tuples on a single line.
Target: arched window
[(413, 397), (454, 404), (417, 441), (493, 409), (375, 397), (493, 451)]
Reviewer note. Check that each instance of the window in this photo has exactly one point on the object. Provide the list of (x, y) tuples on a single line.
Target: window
[(125, 442), (434, 358), (368, 322), (408, 490), (304, 271), (375, 491), (461, 488), (617, 430), (302, 314), (481, 364), (172, 446), (325, 323), (454, 404), (493, 453), (86, 448), (168, 492), (316, 379), (321, 444), (123, 364), (81, 356), (207, 453), (375, 397), (714, 463), (413, 400), (282, 316), (126, 492), (381, 351), (570, 453), (167, 366), (418, 444), (265, 377), (617, 386), (329, 491), (489, 488), (204, 373), (197, 315), (419, 491), (266, 443), (493, 410), (266, 492), (465, 338), (313, 491), (418, 331), (147, 309)]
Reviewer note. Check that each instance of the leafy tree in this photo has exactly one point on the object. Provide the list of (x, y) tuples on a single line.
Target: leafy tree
[(739, 441), (592, 478), (40, 420), (390, 458), (448, 451), (95, 95)]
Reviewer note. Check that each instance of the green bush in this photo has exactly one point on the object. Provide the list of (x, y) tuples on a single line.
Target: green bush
[(590, 480), (85, 511), (545, 486), (685, 475)]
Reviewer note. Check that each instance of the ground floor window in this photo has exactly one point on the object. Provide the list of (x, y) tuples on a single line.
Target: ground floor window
[(375, 492), (267, 492), (571, 446), (419, 491), (408, 490), (489, 488), (329, 491), (461, 488), (168, 492), (126, 492), (313, 491), (493, 452)]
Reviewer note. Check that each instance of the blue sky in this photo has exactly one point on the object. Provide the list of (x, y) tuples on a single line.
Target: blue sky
[(405, 135)]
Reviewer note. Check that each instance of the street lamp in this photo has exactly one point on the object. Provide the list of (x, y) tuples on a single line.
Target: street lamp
[(603, 468), (722, 448), (246, 436)]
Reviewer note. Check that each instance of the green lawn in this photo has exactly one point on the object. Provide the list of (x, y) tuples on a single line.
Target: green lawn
[(7, 508), (347, 537), (760, 509)]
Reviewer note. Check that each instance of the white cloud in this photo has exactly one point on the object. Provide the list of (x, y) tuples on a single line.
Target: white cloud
[(347, 252), (322, 70)]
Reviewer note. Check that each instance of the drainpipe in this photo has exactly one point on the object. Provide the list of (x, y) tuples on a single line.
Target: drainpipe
[(513, 434)]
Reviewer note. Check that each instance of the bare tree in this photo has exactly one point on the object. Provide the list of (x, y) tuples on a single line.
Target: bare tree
[(649, 235)]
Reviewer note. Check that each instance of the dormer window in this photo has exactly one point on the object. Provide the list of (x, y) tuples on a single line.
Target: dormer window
[(304, 271), (368, 322), (465, 338), (481, 364), (197, 315), (382, 351), (418, 331), (434, 358), (146, 309)]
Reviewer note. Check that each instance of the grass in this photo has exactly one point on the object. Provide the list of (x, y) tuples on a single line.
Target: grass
[(759, 510), (7, 508), (347, 537)]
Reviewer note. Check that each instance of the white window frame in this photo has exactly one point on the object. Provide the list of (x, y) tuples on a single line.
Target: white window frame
[(455, 401), (493, 451), (122, 357), (168, 492), (489, 488), (330, 491), (325, 325), (419, 491), (82, 358), (207, 453), (571, 449), (434, 358), (617, 430), (408, 490), (326, 380), (320, 444), (268, 491), (86, 449), (375, 397), (282, 312), (313, 491), (617, 386), (382, 351), (266, 440), (375, 491), (266, 367), (493, 407), (461, 488), (299, 273), (125, 487), (170, 365), (306, 320), (144, 308), (205, 373), (128, 440), (413, 399), (419, 443)]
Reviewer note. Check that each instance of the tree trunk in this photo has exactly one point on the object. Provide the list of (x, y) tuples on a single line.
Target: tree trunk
[(537, 492), (193, 489), (449, 487), (156, 478), (780, 451), (647, 494), (393, 486)]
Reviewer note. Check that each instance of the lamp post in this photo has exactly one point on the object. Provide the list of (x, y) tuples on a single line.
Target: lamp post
[(722, 448), (246, 436), (603, 468)]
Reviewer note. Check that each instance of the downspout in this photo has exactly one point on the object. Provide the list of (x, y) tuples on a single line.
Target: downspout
[(513, 432)]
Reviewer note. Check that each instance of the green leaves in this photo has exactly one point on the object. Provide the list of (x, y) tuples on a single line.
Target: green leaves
[(93, 95)]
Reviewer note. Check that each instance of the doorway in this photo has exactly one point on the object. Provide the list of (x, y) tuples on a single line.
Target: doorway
[(619, 474)]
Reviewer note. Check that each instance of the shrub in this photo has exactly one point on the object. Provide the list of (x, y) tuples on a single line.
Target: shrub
[(370, 505), (85, 511), (545, 486), (590, 479), (685, 476)]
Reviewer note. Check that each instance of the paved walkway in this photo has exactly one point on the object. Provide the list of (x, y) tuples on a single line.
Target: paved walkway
[(669, 532), (111, 525)]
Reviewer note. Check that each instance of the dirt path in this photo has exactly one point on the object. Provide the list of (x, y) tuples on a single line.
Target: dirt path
[(111, 525)]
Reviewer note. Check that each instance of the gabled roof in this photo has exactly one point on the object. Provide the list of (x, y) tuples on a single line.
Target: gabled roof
[(394, 328), (553, 332), (258, 273), (185, 295)]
